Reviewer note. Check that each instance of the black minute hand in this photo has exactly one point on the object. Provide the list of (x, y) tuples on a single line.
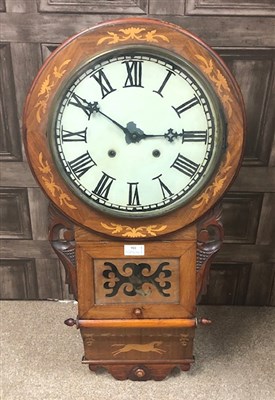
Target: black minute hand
[(125, 130), (88, 107)]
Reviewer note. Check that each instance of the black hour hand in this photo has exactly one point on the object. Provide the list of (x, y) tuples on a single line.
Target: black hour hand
[(136, 135), (186, 136)]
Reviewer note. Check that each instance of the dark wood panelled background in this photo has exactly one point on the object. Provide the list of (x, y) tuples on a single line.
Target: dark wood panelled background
[(243, 33)]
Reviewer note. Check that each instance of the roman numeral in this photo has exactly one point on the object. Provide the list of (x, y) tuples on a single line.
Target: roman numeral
[(134, 73), (81, 103), (185, 106), (166, 192), (82, 164), (103, 187), (103, 82), (133, 199), (80, 136), (185, 165), (166, 79), (194, 136)]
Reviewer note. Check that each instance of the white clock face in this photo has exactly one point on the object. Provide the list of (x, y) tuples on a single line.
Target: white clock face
[(136, 134)]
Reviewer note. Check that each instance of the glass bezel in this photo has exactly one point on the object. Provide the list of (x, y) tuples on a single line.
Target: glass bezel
[(218, 123)]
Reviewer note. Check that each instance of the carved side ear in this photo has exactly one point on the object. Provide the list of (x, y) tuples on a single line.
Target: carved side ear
[(209, 241), (61, 237)]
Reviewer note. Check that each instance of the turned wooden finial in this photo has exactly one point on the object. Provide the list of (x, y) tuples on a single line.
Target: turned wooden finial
[(204, 321), (70, 322)]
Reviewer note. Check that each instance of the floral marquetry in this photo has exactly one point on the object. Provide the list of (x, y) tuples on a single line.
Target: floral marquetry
[(216, 186), (133, 34), (219, 80), (51, 186), (47, 86), (135, 232)]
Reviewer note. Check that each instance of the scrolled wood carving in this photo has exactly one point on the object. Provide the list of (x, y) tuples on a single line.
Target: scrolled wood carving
[(61, 237), (210, 238)]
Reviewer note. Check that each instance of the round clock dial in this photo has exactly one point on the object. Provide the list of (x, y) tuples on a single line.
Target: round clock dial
[(136, 132)]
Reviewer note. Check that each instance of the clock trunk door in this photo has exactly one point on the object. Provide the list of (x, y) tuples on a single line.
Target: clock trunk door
[(159, 284)]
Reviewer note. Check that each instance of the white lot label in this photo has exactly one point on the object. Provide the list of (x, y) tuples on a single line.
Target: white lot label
[(134, 250)]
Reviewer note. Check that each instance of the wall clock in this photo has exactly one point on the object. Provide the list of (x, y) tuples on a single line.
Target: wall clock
[(134, 129)]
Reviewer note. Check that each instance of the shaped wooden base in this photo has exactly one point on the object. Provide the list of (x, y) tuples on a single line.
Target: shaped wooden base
[(140, 371), (138, 354)]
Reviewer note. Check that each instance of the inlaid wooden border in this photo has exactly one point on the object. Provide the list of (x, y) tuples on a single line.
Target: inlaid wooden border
[(98, 40)]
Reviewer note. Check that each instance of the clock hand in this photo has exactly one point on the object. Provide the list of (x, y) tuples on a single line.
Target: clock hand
[(88, 107), (93, 107), (125, 130), (171, 135), (132, 133), (187, 136)]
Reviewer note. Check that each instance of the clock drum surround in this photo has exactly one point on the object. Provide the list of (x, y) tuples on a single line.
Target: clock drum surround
[(134, 129)]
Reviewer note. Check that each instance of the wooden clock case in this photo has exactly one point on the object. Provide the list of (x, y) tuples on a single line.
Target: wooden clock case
[(136, 313)]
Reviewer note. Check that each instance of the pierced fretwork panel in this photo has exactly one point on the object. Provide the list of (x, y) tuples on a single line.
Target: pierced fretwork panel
[(133, 281)]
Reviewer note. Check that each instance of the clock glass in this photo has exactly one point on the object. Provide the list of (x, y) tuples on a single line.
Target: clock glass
[(137, 132)]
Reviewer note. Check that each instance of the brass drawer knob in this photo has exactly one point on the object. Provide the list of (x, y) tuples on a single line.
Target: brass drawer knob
[(140, 373), (137, 312)]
